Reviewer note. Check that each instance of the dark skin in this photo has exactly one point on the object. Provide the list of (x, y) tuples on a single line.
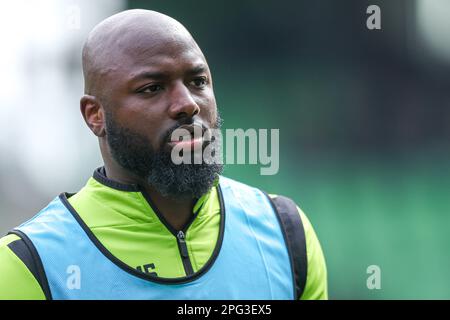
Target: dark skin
[(150, 74)]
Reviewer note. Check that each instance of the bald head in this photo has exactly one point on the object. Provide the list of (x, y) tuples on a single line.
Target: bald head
[(128, 38)]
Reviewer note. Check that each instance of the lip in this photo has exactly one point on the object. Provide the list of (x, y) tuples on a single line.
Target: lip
[(192, 144), (192, 141)]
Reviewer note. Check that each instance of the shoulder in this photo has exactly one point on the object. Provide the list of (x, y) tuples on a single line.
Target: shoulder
[(17, 281), (316, 279)]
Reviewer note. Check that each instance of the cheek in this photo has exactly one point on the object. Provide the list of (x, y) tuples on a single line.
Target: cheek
[(143, 122), (208, 109)]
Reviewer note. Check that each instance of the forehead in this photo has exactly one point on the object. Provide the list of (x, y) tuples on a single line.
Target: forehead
[(121, 58), (170, 65), (171, 52)]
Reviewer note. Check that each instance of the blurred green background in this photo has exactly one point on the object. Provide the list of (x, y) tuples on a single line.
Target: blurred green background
[(364, 119)]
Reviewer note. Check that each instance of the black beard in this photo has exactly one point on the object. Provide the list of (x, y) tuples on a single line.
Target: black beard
[(135, 153)]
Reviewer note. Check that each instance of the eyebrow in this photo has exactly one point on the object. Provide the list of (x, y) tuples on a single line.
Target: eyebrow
[(157, 75), (197, 69)]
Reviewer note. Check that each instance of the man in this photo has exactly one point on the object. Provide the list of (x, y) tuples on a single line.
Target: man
[(144, 227)]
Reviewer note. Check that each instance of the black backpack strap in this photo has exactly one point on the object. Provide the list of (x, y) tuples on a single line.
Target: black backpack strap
[(294, 235), (24, 249)]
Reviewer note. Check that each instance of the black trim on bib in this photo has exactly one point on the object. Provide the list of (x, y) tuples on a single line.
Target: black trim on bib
[(294, 235), (27, 253), (63, 197), (100, 176)]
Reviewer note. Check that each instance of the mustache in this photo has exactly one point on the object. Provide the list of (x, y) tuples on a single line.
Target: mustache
[(180, 124), (166, 138)]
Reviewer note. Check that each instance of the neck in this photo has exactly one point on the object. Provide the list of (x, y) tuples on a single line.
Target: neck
[(176, 212)]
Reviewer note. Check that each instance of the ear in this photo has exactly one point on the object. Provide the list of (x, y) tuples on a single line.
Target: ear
[(93, 114)]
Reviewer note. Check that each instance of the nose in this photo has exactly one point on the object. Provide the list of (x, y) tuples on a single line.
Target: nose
[(182, 103)]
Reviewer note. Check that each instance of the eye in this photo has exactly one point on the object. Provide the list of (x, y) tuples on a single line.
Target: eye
[(199, 82), (151, 89)]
